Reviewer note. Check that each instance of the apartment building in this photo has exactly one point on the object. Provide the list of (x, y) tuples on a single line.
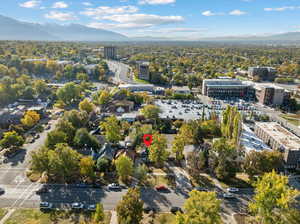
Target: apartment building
[(279, 138), (262, 73), (271, 95), (144, 71), (110, 52)]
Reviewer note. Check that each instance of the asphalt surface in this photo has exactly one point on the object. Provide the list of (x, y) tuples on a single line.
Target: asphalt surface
[(121, 72)]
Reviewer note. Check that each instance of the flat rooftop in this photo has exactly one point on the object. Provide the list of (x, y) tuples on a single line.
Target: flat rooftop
[(250, 141), (284, 137)]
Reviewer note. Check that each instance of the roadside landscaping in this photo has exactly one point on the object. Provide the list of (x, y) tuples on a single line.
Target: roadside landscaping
[(159, 218), (27, 216)]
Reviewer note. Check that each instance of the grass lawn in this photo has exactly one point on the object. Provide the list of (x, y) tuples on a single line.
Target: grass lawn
[(293, 119), (156, 180), (2, 212), (160, 218), (35, 216), (140, 80), (240, 181)]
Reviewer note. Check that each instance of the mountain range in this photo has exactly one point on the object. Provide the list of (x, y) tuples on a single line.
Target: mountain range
[(12, 29)]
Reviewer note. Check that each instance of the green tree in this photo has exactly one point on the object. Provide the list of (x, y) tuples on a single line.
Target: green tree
[(112, 129), (84, 139), (200, 208), (87, 167), (151, 112), (223, 159), (55, 137), (11, 139), (141, 173), (258, 163), (78, 119), (64, 163), (103, 164), (66, 127), (40, 161), (99, 215), (130, 208), (158, 153), (274, 200), (178, 147), (69, 94), (86, 106), (124, 167)]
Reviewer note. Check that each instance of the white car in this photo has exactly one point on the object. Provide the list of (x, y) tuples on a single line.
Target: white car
[(233, 190), (228, 196)]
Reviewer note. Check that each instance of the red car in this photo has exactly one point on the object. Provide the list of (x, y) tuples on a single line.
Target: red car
[(161, 188)]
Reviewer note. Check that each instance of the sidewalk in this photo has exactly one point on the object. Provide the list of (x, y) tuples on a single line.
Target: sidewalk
[(7, 215), (114, 217)]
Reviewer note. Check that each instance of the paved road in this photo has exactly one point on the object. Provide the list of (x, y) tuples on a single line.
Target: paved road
[(121, 72)]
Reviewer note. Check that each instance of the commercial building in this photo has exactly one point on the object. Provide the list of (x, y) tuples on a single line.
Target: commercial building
[(271, 95), (250, 142), (181, 89), (279, 138), (143, 71), (262, 73), (138, 87), (110, 52), (226, 87)]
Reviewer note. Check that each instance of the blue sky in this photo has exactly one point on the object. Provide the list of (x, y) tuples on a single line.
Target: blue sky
[(188, 19)]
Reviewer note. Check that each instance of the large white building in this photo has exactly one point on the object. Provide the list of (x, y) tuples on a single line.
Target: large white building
[(279, 138), (138, 87), (225, 87)]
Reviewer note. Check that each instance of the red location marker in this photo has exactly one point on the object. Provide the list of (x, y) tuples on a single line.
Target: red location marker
[(147, 139)]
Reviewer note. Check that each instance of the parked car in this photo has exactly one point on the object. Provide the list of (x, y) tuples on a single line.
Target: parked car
[(200, 188), (228, 196), (233, 190), (32, 140), (82, 185), (77, 206), (2, 191), (161, 188), (91, 208), (43, 189), (148, 209), (37, 136), (48, 127), (114, 187), (46, 206), (174, 210)]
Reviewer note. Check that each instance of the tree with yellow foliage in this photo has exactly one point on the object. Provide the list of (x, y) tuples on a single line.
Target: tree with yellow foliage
[(30, 118)]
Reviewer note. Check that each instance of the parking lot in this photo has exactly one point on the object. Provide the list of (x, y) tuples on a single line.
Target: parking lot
[(195, 109)]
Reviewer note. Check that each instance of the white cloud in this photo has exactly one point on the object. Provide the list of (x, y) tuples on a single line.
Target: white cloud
[(60, 5), (208, 13), (285, 8), (30, 4), (146, 19), (99, 12), (156, 2), (136, 21), (61, 16), (237, 12), (112, 26), (87, 4)]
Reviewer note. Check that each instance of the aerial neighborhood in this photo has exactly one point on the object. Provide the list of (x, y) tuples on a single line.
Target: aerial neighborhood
[(157, 136)]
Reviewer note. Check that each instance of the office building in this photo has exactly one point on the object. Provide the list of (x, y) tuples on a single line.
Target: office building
[(138, 87), (271, 95), (110, 52), (279, 138), (143, 71), (225, 87), (181, 89), (262, 73)]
